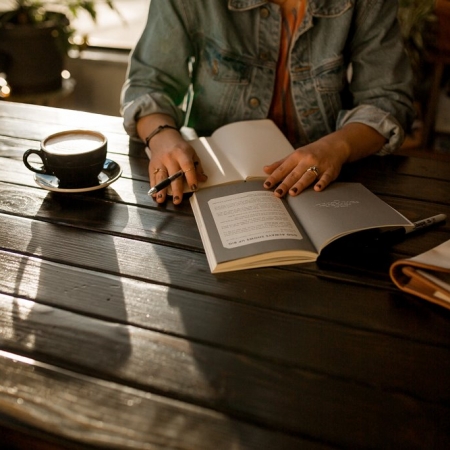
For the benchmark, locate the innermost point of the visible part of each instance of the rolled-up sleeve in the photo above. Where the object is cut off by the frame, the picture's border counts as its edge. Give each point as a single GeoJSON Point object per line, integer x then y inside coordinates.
{"type": "Point", "coordinates": [381, 78]}
{"type": "Point", "coordinates": [382, 121]}
{"type": "Point", "coordinates": [158, 76]}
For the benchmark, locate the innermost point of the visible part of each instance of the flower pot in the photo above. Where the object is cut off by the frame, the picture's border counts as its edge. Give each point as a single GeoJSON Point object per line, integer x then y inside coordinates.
{"type": "Point", "coordinates": [31, 57]}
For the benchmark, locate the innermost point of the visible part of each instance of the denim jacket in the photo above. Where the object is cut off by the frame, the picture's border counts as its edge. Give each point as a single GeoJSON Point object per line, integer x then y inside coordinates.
{"type": "Point", "coordinates": [347, 64]}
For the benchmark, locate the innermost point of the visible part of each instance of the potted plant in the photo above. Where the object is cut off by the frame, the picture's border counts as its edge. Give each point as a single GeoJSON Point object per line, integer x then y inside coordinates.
{"type": "Point", "coordinates": [35, 36]}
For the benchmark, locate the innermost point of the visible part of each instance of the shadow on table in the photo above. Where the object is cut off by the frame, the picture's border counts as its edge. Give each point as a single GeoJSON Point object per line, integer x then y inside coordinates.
{"type": "Point", "coordinates": [66, 321]}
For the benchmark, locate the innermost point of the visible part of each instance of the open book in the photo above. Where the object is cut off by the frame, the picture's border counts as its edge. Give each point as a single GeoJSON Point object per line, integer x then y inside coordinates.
{"type": "Point", "coordinates": [243, 225]}
{"type": "Point", "coordinates": [426, 275]}
{"type": "Point", "coordinates": [237, 151]}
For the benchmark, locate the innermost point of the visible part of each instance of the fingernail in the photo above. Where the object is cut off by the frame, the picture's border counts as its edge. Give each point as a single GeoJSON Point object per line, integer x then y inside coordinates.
{"type": "Point", "coordinates": [193, 187]}
{"type": "Point", "coordinates": [294, 190]}
{"type": "Point", "coordinates": [176, 198]}
{"type": "Point", "coordinates": [279, 191]}
{"type": "Point", "coordinates": [268, 184]}
{"type": "Point", "coordinates": [159, 195]}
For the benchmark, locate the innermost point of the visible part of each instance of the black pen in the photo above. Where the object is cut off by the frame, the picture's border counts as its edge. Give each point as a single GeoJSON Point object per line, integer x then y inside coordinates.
{"type": "Point", "coordinates": [425, 223]}
{"type": "Point", "coordinates": [163, 184]}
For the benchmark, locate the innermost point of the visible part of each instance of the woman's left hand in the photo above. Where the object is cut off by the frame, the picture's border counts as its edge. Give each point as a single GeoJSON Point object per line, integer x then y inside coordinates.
{"type": "Point", "coordinates": [320, 162]}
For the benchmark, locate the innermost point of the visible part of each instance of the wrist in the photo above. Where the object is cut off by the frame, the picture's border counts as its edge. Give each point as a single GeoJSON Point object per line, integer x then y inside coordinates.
{"type": "Point", "coordinates": [339, 145]}
{"type": "Point", "coordinates": [158, 130]}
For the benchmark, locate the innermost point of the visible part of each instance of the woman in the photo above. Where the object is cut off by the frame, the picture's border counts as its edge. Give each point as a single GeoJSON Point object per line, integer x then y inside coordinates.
{"type": "Point", "coordinates": [332, 74]}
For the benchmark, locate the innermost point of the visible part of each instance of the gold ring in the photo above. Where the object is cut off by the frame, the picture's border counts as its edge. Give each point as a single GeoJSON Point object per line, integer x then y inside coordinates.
{"type": "Point", "coordinates": [314, 170]}
{"type": "Point", "coordinates": [157, 170]}
{"type": "Point", "coordinates": [192, 168]}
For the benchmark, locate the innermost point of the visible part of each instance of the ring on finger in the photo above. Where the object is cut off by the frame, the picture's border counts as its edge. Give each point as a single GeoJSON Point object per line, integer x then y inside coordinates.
{"type": "Point", "coordinates": [314, 170]}
{"type": "Point", "coordinates": [158, 169]}
{"type": "Point", "coordinates": [191, 168]}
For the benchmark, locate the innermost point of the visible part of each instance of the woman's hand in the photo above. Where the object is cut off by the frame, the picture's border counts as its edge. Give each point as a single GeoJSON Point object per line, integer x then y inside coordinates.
{"type": "Point", "coordinates": [169, 154]}
{"type": "Point", "coordinates": [321, 162]}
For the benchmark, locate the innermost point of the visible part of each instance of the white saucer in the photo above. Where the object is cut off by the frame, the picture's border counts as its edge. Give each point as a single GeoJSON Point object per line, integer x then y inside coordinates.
{"type": "Point", "coordinates": [111, 172]}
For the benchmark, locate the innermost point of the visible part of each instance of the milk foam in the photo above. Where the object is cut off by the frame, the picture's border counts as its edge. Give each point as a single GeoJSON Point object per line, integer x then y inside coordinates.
{"type": "Point", "coordinates": [72, 144]}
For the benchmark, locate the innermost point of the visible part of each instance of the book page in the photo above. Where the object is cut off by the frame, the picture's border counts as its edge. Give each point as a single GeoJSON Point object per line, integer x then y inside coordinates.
{"type": "Point", "coordinates": [340, 209]}
{"type": "Point", "coordinates": [240, 150]}
{"type": "Point", "coordinates": [214, 203]}
{"type": "Point", "coordinates": [215, 163]}
{"type": "Point", "coordinates": [250, 217]}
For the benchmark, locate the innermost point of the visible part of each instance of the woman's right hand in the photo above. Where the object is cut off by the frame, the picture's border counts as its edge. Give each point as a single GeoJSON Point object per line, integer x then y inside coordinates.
{"type": "Point", "coordinates": [169, 154]}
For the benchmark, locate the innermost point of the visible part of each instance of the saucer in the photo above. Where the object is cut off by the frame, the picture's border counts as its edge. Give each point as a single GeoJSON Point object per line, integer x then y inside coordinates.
{"type": "Point", "coordinates": [111, 172]}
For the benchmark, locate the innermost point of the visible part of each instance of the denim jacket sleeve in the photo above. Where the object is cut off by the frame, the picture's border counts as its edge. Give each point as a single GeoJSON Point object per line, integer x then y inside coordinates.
{"type": "Point", "coordinates": [158, 72]}
{"type": "Point", "coordinates": [381, 79]}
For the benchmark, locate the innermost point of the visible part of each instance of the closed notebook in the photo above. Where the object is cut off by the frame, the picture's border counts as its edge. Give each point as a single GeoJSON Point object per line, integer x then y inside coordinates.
{"type": "Point", "coordinates": [426, 275]}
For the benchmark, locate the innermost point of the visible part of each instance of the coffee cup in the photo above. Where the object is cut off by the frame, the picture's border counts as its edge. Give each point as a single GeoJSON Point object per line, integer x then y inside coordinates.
{"type": "Point", "coordinates": [75, 157]}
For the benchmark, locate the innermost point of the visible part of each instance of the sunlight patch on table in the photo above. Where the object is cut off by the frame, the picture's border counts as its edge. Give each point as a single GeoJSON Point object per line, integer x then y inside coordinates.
{"type": "Point", "coordinates": [14, 314]}
{"type": "Point", "coordinates": [18, 358]}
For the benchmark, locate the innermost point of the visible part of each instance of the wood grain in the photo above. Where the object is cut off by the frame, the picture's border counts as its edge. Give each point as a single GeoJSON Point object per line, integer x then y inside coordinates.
{"type": "Point", "coordinates": [217, 379]}
{"type": "Point", "coordinates": [106, 414]}
{"type": "Point", "coordinates": [114, 334]}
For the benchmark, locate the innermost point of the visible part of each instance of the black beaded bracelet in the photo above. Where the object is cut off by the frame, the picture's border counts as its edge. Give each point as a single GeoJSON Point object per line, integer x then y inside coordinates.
{"type": "Point", "coordinates": [156, 131]}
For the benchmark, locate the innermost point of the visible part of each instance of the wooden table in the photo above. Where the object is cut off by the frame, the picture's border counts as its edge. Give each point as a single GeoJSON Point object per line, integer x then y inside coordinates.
{"type": "Point", "coordinates": [114, 334]}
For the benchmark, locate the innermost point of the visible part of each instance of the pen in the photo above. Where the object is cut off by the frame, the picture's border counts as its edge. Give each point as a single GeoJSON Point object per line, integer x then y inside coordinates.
{"type": "Point", "coordinates": [163, 184]}
{"type": "Point", "coordinates": [425, 223]}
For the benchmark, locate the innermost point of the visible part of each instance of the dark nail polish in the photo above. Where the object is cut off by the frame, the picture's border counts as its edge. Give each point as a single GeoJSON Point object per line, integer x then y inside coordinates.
{"type": "Point", "coordinates": [268, 184]}
{"type": "Point", "coordinates": [294, 190]}
{"type": "Point", "coordinates": [176, 198]}
{"type": "Point", "coordinates": [279, 191]}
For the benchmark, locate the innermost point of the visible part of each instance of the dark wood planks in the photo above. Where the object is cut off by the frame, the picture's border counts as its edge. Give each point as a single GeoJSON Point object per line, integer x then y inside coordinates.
{"type": "Point", "coordinates": [292, 357]}
{"type": "Point", "coordinates": [224, 381]}
{"type": "Point", "coordinates": [357, 307]}
{"type": "Point", "coordinates": [119, 256]}
{"type": "Point", "coordinates": [109, 415]}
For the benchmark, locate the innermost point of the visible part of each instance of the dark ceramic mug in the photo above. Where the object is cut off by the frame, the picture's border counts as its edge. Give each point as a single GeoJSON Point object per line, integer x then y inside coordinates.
{"type": "Point", "coordinates": [75, 157]}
